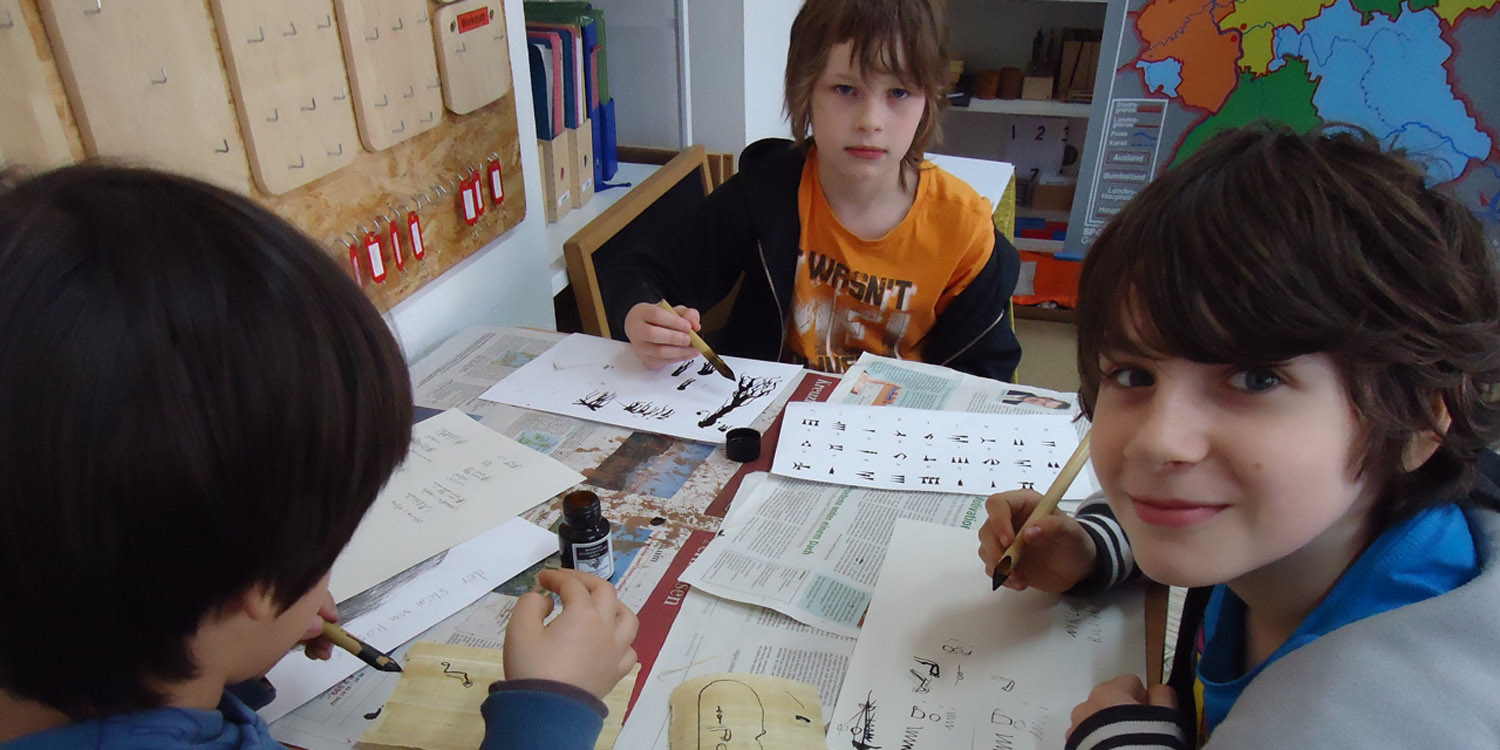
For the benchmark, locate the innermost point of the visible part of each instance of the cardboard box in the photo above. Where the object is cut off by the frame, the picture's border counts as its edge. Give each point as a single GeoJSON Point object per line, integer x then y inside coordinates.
{"type": "Point", "coordinates": [1052, 196]}
{"type": "Point", "coordinates": [557, 164]}
{"type": "Point", "coordinates": [581, 176]}
{"type": "Point", "coordinates": [1037, 88]}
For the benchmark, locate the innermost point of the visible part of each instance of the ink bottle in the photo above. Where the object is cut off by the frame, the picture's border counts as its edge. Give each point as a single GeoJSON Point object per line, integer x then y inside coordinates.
{"type": "Point", "coordinates": [583, 536]}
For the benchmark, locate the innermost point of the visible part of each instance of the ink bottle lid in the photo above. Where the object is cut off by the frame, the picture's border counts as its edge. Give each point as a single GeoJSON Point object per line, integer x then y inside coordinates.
{"type": "Point", "coordinates": [583, 536]}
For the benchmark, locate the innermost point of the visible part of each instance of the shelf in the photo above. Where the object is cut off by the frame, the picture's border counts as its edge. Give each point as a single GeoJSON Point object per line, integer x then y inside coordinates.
{"type": "Point", "coordinates": [1050, 247]}
{"type": "Point", "coordinates": [559, 232]}
{"type": "Point", "coordinates": [1042, 108]}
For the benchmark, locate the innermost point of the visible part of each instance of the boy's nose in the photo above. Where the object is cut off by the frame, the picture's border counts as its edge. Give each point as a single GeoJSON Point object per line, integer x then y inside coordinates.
{"type": "Point", "coordinates": [1170, 431]}
{"type": "Point", "coordinates": [869, 118]}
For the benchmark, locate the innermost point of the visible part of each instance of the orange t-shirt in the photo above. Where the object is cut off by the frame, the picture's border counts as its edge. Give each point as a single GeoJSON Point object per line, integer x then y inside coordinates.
{"type": "Point", "coordinates": [883, 296]}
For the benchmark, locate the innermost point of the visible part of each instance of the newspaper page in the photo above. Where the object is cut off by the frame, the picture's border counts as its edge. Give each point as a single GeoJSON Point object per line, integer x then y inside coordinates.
{"type": "Point", "coordinates": [813, 551]}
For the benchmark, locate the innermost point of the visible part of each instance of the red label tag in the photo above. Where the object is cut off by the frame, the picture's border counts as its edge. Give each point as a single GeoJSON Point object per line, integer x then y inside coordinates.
{"type": "Point", "coordinates": [414, 226]}
{"type": "Point", "coordinates": [471, 204]}
{"type": "Point", "coordinates": [478, 191]}
{"type": "Point", "coordinates": [393, 237]}
{"type": "Point", "coordinates": [354, 264]}
{"type": "Point", "coordinates": [377, 264]}
{"type": "Point", "coordinates": [497, 186]}
{"type": "Point", "coordinates": [473, 19]}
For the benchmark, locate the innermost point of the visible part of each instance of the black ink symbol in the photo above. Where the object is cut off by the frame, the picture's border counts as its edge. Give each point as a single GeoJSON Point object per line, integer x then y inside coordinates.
{"type": "Point", "coordinates": [928, 436]}
{"type": "Point", "coordinates": [685, 384]}
{"type": "Point", "coordinates": [862, 734]}
{"type": "Point", "coordinates": [682, 368]}
{"type": "Point", "coordinates": [648, 409]}
{"type": "Point", "coordinates": [924, 681]}
{"type": "Point", "coordinates": [900, 433]}
{"type": "Point", "coordinates": [457, 674]}
{"type": "Point", "coordinates": [960, 482]}
{"type": "Point", "coordinates": [959, 460]}
{"type": "Point", "coordinates": [868, 476]}
{"type": "Point", "coordinates": [959, 438]}
{"type": "Point", "coordinates": [804, 719]}
{"type": "Point", "coordinates": [927, 459]}
{"type": "Point", "coordinates": [596, 400]}
{"type": "Point", "coordinates": [870, 430]}
{"type": "Point", "coordinates": [748, 389]}
{"type": "Point", "coordinates": [930, 480]}
{"type": "Point", "coordinates": [992, 461]}
{"type": "Point", "coordinates": [1028, 485]}
{"type": "Point", "coordinates": [806, 443]}
{"type": "Point", "coordinates": [1050, 443]}
{"type": "Point", "coordinates": [834, 447]}
{"type": "Point", "coordinates": [898, 478]}
{"type": "Point", "coordinates": [799, 466]}
{"type": "Point", "coordinates": [1053, 465]}
{"type": "Point", "coordinates": [374, 713]}
{"type": "Point", "coordinates": [984, 440]}
{"type": "Point", "coordinates": [839, 426]}
{"type": "Point", "coordinates": [706, 369]}
{"type": "Point", "coordinates": [830, 470]}
{"type": "Point", "coordinates": [955, 646]}
{"type": "Point", "coordinates": [1024, 462]}
{"type": "Point", "coordinates": [1018, 441]}
{"type": "Point", "coordinates": [810, 422]}
{"type": "Point", "coordinates": [866, 450]}
{"type": "Point", "coordinates": [899, 456]}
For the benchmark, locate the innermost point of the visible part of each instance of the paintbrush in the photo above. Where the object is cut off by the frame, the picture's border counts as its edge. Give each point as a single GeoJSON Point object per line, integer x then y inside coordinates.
{"type": "Point", "coordinates": [366, 653]}
{"type": "Point", "coordinates": [702, 346]}
{"type": "Point", "coordinates": [1012, 556]}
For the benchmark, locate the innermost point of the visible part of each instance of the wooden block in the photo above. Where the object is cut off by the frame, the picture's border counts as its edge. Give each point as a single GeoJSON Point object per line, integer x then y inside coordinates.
{"type": "Point", "coordinates": [393, 73]}
{"type": "Point", "coordinates": [145, 84]}
{"type": "Point", "coordinates": [556, 164]}
{"type": "Point", "coordinates": [288, 78]}
{"type": "Point", "coordinates": [31, 131]}
{"type": "Point", "coordinates": [581, 148]}
{"type": "Point", "coordinates": [472, 52]}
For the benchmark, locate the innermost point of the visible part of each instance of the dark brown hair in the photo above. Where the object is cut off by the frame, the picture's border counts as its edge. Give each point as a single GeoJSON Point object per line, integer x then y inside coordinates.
{"type": "Point", "coordinates": [197, 400]}
{"type": "Point", "coordinates": [904, 38]}
{"type": "Point", "coordinates": [1267, 244]}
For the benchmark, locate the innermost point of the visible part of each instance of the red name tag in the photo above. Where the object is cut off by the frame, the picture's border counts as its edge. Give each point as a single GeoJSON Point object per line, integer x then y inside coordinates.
{"type": "Point", "coordinates": [473, 20]}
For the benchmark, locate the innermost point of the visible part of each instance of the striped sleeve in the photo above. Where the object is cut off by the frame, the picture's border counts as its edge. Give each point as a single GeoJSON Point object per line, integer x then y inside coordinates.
{"type": "Point", "coordinates": [1129, 727]}
{"type": "Point", "coordinates": [1113, 562]}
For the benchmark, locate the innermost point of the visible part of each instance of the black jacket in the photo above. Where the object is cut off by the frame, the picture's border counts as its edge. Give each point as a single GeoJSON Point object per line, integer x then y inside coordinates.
{"type": "Point", "coordinates": [750, 226]}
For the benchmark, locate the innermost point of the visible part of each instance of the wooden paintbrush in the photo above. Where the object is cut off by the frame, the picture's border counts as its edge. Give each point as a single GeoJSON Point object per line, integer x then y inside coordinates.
{"type": "Point", "coordinates": [702, 346]}
{"type": "Point", "coordinates": [1012, 556]}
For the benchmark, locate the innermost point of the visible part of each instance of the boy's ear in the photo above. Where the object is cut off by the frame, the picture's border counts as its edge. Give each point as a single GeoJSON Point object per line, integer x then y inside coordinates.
{"type": "Point", "coordinates": [1425, 443]}
{"type": "Point", "coordinates": [256, 602]}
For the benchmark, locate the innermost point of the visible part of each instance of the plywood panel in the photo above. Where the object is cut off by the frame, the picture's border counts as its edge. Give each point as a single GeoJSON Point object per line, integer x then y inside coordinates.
{"type": "Point", "coordinates": [473, 53]}
{"type": "Point", "coordinates": [146, 84]}
{"type": "Point", "coordinates": [392, 69]}
{"type": "Point", "coordinates": [31, 129]}
{"type": "Point", "coordinates": [286, 67]}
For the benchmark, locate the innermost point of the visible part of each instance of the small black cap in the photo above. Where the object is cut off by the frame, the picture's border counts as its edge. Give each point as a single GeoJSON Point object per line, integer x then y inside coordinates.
{"type": "Point", "coordinates": [742, 444]}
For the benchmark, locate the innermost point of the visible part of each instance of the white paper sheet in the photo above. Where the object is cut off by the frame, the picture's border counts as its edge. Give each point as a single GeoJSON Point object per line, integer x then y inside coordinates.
{"type": "Point", "coordinates": [813, 551]}
{"type": "Point", "coordinates": [387, 618]}
{"type": "Point", "coordinates": [459, 479]}
{"type": "Point", "coordinates": [893, 448]}
{"type": "Point", "coordinates": [588, 377]}
{"type": "Point", "coordinates": [944, 663]}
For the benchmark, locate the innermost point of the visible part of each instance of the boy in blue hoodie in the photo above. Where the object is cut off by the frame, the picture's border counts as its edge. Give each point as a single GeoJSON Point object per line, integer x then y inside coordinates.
{"type": "Point", "coordinates": [198, 409]}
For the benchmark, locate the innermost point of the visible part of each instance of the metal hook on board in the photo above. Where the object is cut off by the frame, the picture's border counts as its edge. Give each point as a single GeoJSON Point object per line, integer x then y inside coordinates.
{"type": "Point", "coordinates": [259, 30]}
{"type": "Point", "coordinates": [401, 129]}
{"type": "Point", "coordinates": [341, 95]}
{"type": "Point", "coordinates": [339, 152]}
{"type": "Point", "coordinates": [9, 22]}
{"type": "Point", "coordinates": [429, 117]}
{"type": "Point", "coordinates": [463, 47]}
{"type": "Point", "coordinates": [163, 80]}
{"type": "Point", "coordinates": [385, 101]}
{"type": "Point", "coordinates": [327, 22]}
{"type": "Point", "coordinates": [313, 108]}
{"type": "Point", "coordinates": [400, 24]}
{"type": "Point", "coordinates": [411, 91]}
{"type": "Point", "coordinates": [98, 8]}
{"type": "Point", "coordinates": [275, 114]}
{"type": "Point", "coordinates": [301, 163]}
{"type": "Point", "coordinates": [223, 148]}
{"type": "Point", "coordinates": [293, 32]}
{"type": "Point", "coordinates": [369, 38]}
{"type": "Point", "coordinates": [423, 18]}
{"type": "Point", "coordinates": [495, 156]}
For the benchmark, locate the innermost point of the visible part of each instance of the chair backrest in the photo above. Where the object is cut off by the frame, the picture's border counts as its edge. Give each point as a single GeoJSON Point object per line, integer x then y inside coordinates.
{"type": "Point", "coordinates": [658, 203]}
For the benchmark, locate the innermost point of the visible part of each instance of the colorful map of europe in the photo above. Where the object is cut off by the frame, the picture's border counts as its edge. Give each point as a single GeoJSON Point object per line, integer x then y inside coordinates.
{"type": "Point", "coordinates": [1423, 75]}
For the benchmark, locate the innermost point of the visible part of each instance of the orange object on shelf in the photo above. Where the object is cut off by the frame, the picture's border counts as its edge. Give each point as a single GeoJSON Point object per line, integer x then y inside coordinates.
{"type": "Point", "coordinates": [1052, 280]}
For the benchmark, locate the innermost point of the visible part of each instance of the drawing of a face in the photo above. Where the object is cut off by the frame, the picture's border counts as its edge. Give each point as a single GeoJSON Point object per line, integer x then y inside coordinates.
{"type": "Point", "coordinates": [739, 716]}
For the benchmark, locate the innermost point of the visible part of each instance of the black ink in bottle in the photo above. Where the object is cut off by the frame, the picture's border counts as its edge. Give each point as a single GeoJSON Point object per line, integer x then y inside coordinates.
{"type": "Point", "coordinates": [583, 536]}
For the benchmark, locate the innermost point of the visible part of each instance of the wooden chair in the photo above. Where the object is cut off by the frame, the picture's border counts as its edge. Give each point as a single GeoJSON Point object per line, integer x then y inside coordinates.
{"type": "Point", "coordinates": [658, 202]}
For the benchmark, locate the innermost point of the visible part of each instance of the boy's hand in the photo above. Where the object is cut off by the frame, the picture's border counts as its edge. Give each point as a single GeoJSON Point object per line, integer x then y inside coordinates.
{"type": "Point", "coordinates": [1125, 690]}
{"type": "Point", "coordinates": [659, 337]}
{"type": "Point", "coordinates": [1056, 552]}
{"type": "Point", "coordinates": [314, 645]}
{"type": "Point", "coordinates": [587, 645]}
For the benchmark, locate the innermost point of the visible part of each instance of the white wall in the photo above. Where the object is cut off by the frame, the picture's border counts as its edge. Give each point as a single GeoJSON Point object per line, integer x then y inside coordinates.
{"type": "Point", "coordinates": [643, 71]}
{"type": "Point", "coordinates": [768, 24]}
{"type": "Point", "coordinates": [737, 62]}
{"type": "Point", "coordinates": [506, 282]}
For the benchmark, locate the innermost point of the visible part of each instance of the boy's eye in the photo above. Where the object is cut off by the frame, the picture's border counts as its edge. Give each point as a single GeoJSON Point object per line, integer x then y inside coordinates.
{"type": "Point", "coordinates": [1130, 377]}
{"type": "Point", "coordinates": [1254, 381]}
{"type": "Point", "coordinates": [899, 94]}
{"type": "Point", "coordinates": [843, 89]}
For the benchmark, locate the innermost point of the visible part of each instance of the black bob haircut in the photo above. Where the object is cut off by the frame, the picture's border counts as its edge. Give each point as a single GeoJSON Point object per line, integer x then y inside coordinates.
{"type": "Point", "coordinates": [197, 400]}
